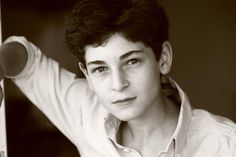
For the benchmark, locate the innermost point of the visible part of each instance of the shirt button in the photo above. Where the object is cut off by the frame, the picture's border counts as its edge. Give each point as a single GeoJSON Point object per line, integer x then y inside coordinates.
{"type": "Point", "coordinates": [126, 150]}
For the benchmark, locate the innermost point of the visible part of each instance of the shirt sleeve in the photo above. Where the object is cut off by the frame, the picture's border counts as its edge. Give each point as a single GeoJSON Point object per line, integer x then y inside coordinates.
{"type": "Point", "coordinates": [54, 90]}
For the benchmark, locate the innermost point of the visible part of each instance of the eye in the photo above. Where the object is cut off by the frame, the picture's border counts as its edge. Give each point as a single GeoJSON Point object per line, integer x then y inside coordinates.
{"type": "Point", "coordinates": [99, 69]}
{"type": "Point", "coordinates": [132, 61]}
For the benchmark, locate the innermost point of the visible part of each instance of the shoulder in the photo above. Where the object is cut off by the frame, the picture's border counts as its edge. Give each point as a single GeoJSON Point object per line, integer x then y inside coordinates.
{"type": "Point", "coordinates": [202, 119]}
{"type": "Point", "coordinates": [211, 135]}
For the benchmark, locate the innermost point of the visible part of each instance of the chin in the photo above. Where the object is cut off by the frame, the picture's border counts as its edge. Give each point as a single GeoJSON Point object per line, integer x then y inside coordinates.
{"type": "Point", "coordinates": [126, 116]}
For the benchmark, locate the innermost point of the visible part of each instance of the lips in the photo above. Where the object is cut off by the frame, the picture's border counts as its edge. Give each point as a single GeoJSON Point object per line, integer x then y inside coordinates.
{"type": "Point", "coordinates": [125, 100]}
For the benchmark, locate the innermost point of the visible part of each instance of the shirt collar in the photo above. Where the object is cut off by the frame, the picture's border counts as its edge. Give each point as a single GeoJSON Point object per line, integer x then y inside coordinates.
{"type": "Point", "coordinates": [112, 126]}
{"type": "Point", "coordinates": [112, 123]}
{"type": "Point", "coordinates": [184, 118]}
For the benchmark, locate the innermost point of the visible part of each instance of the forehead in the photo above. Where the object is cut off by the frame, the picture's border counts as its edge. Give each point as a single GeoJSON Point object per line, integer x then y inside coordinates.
{"type": "Point", "coordinates": [115, 46]}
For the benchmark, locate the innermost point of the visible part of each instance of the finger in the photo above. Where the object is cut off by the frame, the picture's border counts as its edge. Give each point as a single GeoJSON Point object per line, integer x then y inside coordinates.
{"type": "Point", "coordinates": [1, 95]}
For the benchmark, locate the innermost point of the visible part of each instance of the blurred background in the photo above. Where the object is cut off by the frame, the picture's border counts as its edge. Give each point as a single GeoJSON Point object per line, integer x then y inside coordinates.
{"type": "Point", "coordinates": [203, 36]}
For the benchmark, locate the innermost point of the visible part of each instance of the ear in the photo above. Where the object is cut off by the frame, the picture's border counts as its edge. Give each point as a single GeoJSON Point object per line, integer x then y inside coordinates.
{"type": "Point", "coordinates": [166, 58]}
{"type": "Point", "coordinates": [85, 72]}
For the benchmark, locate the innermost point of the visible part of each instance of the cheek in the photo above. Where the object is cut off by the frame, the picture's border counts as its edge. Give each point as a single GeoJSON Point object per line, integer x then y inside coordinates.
{"type": "Point", "coordinates": [149, 83]}
{"type": "Point", "coordinates": [148, 78]}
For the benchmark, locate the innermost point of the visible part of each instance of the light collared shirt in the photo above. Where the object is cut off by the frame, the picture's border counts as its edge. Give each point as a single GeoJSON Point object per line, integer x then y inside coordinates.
{"type": "Point", "coordinates": [74, 109]}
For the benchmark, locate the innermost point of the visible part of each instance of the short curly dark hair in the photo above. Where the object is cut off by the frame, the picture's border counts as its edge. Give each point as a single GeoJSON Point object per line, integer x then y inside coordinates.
{"type": "Point", "coordinates": [92, 22]}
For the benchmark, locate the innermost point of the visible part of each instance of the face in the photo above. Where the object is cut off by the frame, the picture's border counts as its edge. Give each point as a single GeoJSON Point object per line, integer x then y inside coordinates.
{"type": "Point", "coordinates": [124, 75]}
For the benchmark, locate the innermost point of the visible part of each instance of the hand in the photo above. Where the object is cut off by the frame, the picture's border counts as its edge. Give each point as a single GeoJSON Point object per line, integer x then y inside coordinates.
{"type": "Point", "coordinates": [1, 90]}
{"type": "Point", "coordinates": [1, 96]}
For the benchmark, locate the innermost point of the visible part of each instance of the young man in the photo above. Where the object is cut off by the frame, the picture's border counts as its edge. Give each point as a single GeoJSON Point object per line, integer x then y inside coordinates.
{"type": "Point", "coordinates": [126, 105]}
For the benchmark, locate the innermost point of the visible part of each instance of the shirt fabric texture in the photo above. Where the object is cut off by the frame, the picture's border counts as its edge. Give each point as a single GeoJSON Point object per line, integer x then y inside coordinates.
{"type": "Point", "coordinates": [74, 109]}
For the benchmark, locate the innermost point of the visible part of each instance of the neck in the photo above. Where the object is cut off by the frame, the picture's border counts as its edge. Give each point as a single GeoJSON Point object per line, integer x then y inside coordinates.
{"type": "Point", "coordinates": [156, 124]}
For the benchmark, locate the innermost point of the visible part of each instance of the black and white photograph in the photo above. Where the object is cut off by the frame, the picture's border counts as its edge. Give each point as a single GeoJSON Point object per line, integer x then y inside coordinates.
{"type": "Point", "coordinates": [117, 78]}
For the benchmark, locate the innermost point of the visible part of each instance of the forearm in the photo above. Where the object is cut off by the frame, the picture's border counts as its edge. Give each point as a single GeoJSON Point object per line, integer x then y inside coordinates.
{"type": "Point", "coordinates": [13, 58]}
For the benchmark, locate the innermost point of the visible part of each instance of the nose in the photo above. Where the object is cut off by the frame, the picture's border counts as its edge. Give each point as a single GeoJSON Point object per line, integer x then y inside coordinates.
{"type": "Point", "coordinates": [118, 81]}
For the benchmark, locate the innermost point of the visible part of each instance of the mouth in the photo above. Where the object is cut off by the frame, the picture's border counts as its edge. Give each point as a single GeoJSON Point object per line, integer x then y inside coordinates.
{"type": "Point", "coordinates": [125, 100]}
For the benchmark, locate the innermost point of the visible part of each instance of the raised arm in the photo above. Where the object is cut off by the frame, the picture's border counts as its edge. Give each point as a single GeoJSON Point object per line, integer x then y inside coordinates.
{"type": "Point", "coordinates": [58, 93]}
{"type": "Point", "coordinates": [13, 57]}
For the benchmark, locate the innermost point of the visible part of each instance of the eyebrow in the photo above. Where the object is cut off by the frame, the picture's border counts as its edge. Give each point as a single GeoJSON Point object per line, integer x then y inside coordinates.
{"type": "Point", "coordinates": [126, 55]}
{"type": "Point", "coordinates": [96, 62]}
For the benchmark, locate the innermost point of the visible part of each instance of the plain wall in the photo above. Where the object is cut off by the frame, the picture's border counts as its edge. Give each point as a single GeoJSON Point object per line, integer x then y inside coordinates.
{"type": "Point", "coordinates": [203, 36]}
